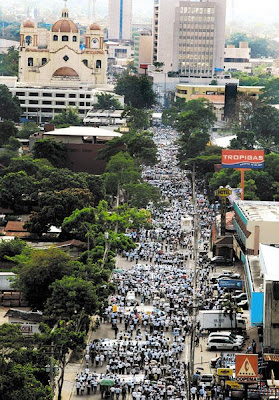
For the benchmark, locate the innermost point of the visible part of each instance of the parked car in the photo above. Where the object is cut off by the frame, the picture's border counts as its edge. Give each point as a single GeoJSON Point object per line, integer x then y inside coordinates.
{"type": "Point", "coordinates": [208, 380]}
{"type": "Point", "coordinates": [221, 260]}
{"type": "Point", "coordinates": [240, 297]}
{"type": "Point", "coordinates": [131, 298]}
{"type": "Point", "coordinates": [223, 343]}
{"type": "Point", "coordinates": [243, 304]}
{"type": "Point", "coordinates": [227, 334]}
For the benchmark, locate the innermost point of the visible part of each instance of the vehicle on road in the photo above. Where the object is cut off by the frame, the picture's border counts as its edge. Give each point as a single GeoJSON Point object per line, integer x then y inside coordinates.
{"type": "Point", "coordinates": [228, 334]}
{"type": "Point", "coordinates": [221, 260]}
{"type": "Point", "coordinates": [223, 343]}
{"type": "Point", "coordinates": [214, 320]}
{"type": "Point", "coordinates": [240, 297]}
{"type": "Point", "coordinates": [208, 380]}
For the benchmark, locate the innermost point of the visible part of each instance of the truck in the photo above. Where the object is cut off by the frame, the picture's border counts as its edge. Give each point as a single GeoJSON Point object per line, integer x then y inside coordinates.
{"type": "Point", "coordinates": [213, 320]}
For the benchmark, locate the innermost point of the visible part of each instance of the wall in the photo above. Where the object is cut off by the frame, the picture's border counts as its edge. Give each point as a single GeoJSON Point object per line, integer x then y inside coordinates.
{"type": "Point", "coordinates": [84, 158]}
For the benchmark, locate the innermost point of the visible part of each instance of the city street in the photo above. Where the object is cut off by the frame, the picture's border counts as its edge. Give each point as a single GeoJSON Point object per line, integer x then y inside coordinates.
{"type": "Point", "coordinates": [142, 349]}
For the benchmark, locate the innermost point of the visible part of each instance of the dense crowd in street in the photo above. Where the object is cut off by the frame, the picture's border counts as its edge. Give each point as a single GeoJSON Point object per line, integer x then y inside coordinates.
{"type": "Point", "coordinates": [151, 311]}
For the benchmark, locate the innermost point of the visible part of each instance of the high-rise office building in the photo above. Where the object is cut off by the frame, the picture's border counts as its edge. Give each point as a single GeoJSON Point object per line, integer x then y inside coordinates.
{"type": "Point", "coordinates": [120, 19]}
{"type": "Point", "coordinates": [189, 36]}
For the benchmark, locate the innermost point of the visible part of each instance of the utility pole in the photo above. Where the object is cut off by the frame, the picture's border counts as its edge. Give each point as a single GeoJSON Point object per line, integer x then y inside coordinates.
{"type": "Point", "coordinates": [195, 269]}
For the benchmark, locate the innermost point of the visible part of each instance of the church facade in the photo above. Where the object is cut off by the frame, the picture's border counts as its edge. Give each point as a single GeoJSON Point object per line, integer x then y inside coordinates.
{"type": "Point", "coordinates": [58, 58]}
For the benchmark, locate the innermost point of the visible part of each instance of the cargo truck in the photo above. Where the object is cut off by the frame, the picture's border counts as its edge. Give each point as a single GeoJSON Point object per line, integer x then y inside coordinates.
{"type": "Point", "coordinates": [212, 320]}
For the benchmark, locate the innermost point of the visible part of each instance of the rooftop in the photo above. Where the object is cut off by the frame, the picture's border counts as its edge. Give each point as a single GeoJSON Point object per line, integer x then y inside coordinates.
{"type": "Point", "coordinates": [25, 315]}
{"type": "Point", "coordinates": [83, 131]}
{"type": "Point", "coordinates": [259, 210]}
{"type": "Point", "coordinates": [269, 256]}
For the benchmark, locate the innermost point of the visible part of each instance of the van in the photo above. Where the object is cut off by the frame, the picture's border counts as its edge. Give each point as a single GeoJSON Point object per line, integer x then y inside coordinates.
{"type": "Point", "coordinates": [223, 343]}
{"type": "Point", "coordinates": [228, 334]}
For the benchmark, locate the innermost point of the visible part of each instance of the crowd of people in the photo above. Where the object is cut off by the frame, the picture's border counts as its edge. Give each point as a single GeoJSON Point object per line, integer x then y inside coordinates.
{"type": "Point", "coordinates": [151, 311]}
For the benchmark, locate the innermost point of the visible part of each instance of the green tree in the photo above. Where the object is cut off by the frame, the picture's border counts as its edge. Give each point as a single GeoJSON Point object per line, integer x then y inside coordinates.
{"type": "Point", "coordinates": [79, 222]}
{"type": "Point", "coordinates": [69, 296]}
{"type": "Point", "coordinates": [39, 270]}
{"type": "Point", "coordinates": [68, 117]}
{"type": "Point", "coordinates": [136, 118]}
{"type": "Point", "coordinates": [141, 194]}
{"type": "Point", "coordinates": [7, 130]}
{"type": "Point", "coordinates": [137, 91]}
{"type": "Point", "coordinates": [10, 248]}
{"type": "Point", "coordinates": [64, 337]}
{"type": "Point", "coordinates": [9, 62]}
{"type": "Point", "coordinates": [55, 206]}
{"type": "Point", "coordinates": [27, 129]}
{"type": "Point", "coordinates": [270, 94]}
{"type": "Point", "coordinates": [194, 123]}
{"type": "Point", "coordinates": [107, 101]}
{"type": "Point", "coordinates": [53, 151]}
{"type": "Point", "coordinates": [16, 190]}
{"type": "Point", "coordinates": [9, 105]}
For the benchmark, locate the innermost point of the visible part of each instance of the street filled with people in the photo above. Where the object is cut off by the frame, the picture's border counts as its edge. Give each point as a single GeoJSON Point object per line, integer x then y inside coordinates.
{"type": "Point", "coordinates": [151, 311]}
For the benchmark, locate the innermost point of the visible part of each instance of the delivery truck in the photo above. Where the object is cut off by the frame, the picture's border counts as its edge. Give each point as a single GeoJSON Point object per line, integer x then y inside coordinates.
{"type": "Point", "coordinates": [212, 320]}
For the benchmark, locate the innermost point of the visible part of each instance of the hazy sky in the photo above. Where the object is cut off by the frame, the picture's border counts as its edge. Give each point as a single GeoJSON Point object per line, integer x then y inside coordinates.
{"type": "Point", "coordinates": [250, 10]}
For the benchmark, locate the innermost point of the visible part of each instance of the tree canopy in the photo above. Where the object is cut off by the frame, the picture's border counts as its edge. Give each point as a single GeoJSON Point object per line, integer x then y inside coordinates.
{"type": "Point", "coordinates": [9, 105]}
{"type": "Point", "coordinates": [107, 101]}
{"type": "Point", "coordinates": [137, 91]}
{"type": "Point", "coordinates": [9, 63]}
{"type": "Point", "coordinates": [68, 117]}
{"type": "Point", "coordinates": [53, 151]}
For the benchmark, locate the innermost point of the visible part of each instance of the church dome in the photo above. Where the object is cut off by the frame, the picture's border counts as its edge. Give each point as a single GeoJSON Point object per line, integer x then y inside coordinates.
{"type": "Point", "coordinates": [64, 25]}
{"type": "Point", "coordinates": [95, 27]}
{"type": "Point", "coordinates": [65, 71]}
{"type": "Point", "coordinates": [28, 24]}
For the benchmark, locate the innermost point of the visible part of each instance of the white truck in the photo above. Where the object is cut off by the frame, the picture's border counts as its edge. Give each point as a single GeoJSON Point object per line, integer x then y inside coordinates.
{"type": "Point", "coordinates": [212, 320]}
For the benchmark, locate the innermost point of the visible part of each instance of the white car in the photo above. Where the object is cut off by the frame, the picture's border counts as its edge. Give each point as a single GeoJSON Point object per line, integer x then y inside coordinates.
{"type": "Point", "coordinates": [223, 343]}
{"type": "Point", "coordinates": [227, 334]}
{"type": "Point", "coordinates": [208, 380]}
{"type": "Point", "coordinates": [131, 297]}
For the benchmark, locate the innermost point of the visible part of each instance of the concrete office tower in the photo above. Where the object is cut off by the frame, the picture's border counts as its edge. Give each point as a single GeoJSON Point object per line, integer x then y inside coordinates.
{"type": "Point", "coordinates": [120, 20]}
{"type": "Point", "coordinates": [189, 36]}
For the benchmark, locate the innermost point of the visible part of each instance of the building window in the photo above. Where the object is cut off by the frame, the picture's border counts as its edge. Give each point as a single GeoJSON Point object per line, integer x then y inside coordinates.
{"type": "Point", "coordinates": [82, 96]}
{"type": "Point", "coordinates": [47, 94]}
{"type": "Point", "coordinates": [72, 96]}
{"type": "Point", "coordinates": [28, 40]}
{"type": "Point", "coordinates": [85, 62]}
{"type": "Point", "coordinates": [81, 104]}
{"type": "Point", "coordinates": [65, 38]}
{"type": "Point", "coordinates": [60, 103]}
{"type": "Point", "coordinates": [47, 102]}
{"type": "Point", "coordinates": [66, 58]}
{"type": "Point", "coordinates": [55, 38]}
{"type": "Point", "coordinates": [34, 94]}
{"type": "Point", "coordinates": [60, 94]}
{"type": "Point", "coordinates": [72, 103]}
{"type": "Point", "coordinates": [20, 94]}
{"type": "Point", "coordinates": [88, 96]}
{"type": "Point", "coordinates": [33, 102]}
{"type": "Point", "coordinates": [88, 104]}
{"type": "Point", "coordinates": [30, 62]}
{"type": "Point", "coordinates": [44, 61]}
{"type": "Point", "coordinates": [74, 38]}
{"type": "Point", "coordinates": [98, 64]}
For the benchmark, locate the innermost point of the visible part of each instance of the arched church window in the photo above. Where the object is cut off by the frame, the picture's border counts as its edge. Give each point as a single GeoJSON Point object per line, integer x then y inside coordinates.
{"type": "Point", "coordinates": [30, 62]}
{"type": "Point", "coordinates": [98, 64]}
{"type": "Point", "coordinates": [44, 61]}
{"type": "Point", "coordinates": [55, 38]}
{"type": "Point", "coordinates": [74, 38]}
{"type": "Point", "coordinates": [28, 40]}
{"type": "Point", "coordinates": [65, 38]}
{"type": "Point", "coordinates": [85, 62]}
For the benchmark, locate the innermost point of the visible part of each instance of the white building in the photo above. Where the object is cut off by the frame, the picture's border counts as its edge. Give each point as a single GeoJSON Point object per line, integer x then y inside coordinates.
{"type": "Point", "coordinates": [189, 36]}
{"type": "Point", "coordinates": [120, 19]}
{"type": "Point", "coordinates": [238, 58]}
{"type": "Point", "coordinates": [56, 58]}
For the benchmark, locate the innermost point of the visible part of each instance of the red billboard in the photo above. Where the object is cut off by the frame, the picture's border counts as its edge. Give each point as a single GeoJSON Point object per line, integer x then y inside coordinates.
{"type": "Point", "coordinates": [251, 159]}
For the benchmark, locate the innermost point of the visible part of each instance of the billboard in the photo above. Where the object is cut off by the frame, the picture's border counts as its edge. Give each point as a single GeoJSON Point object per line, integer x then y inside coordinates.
{"type": "Point", "coordinates": [246, 366]}
{"type": "Point", "coordinates": [230, 283]}
{"type": "Point", "coordinates": [251, 159]}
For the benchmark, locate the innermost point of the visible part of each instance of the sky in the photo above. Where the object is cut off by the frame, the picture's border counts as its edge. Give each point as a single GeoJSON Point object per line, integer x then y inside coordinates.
{"type": "Point", "coordinates": [263, 11]}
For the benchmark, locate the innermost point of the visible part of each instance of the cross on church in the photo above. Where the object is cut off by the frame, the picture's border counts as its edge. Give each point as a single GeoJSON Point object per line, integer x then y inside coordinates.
{"type": "Point", "coordinates": [65, 1]}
